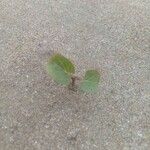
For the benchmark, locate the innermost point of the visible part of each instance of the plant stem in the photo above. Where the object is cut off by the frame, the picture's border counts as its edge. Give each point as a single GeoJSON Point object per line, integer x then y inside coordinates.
{"type": "Point", "coordinates": [73, 81]}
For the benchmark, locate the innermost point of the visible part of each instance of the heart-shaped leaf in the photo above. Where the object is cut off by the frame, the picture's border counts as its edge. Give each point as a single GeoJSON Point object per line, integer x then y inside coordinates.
{"type": "Point", "coordinates": [58, 74]}
{"type": "Point", "coordinates": [64, 63]}
{"type": "Point", "coordinates": [90, 81]}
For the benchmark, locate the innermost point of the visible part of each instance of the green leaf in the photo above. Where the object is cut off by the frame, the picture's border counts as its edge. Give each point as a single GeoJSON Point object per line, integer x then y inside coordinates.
{"type": "Point", "coordinates": [64, 63]}
{"type": "Point", "coordinates": [90, 81]}
{"type": "Point", "coordinates": [58, 74]}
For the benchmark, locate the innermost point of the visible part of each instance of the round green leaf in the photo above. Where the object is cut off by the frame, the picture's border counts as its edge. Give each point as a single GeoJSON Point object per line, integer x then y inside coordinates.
{"type": "Point", "coordinates": [90, 81]}
{"type": "Point", "coordinates": [58, 74]}
{"type": "Point", "coordinates": [63, 62]}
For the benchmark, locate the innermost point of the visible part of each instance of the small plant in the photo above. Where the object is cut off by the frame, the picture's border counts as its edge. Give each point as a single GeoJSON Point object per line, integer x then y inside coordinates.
{"type": "Point", "coordinates": [62, 71]}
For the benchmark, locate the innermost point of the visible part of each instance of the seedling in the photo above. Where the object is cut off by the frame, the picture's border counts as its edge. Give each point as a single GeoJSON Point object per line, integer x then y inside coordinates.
{"type": "Point", "coordinates": [62, 70]}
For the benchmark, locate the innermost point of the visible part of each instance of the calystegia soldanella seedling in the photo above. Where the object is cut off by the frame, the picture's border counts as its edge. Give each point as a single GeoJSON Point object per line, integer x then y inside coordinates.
{"type": "Point", "coordinates": [62, 70]}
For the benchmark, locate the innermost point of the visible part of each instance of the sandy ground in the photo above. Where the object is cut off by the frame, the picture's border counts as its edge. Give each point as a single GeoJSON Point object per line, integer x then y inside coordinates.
{"type": "Point", "coordinates": [112, 36]}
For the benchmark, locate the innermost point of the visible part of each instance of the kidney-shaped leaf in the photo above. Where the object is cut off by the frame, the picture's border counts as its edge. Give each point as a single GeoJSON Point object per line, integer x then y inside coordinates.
{"type": "Point", "coordinates": [63, 62]}
{"type": "Point", "coordinates": [58, 74]}
{"type": "Point", "coordinates": [90, 81]}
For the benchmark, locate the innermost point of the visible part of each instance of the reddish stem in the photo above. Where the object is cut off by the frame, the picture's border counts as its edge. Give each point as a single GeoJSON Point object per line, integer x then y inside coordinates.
{"type": "Point", "coordinates": [73, 80]}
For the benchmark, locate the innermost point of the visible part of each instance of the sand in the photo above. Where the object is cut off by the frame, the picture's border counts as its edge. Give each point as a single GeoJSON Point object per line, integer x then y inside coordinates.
{"type": "Point", "coordinates": [111, 36]}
